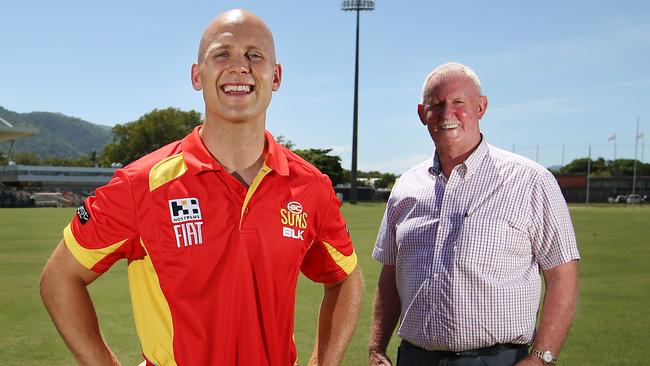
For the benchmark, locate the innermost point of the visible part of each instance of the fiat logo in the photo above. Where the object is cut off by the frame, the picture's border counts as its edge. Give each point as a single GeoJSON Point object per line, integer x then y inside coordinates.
{"type": "Point", "coordinates": [294, 207]}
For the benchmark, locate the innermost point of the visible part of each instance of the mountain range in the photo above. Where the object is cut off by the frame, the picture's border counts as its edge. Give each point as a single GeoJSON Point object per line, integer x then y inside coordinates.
{"type": "Point", "coordinates": [60, 135]}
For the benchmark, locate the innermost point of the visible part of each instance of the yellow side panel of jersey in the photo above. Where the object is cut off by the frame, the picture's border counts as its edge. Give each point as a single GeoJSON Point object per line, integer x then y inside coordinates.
{"type": "Point", "coordinates": [153, 319]}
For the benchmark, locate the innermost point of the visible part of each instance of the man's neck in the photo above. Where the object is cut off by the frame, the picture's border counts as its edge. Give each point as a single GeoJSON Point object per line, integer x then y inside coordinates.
{"type": "Point", "coordinates": [238, 147]}
{"type": "Point", "coordinates": [449, 159]}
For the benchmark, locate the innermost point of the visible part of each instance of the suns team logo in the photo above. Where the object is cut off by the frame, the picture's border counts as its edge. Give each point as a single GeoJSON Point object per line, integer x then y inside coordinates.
{"type": "Point", "coordinates": [183, 210]}
{"type": "Point", "coordinates": [294, 220]}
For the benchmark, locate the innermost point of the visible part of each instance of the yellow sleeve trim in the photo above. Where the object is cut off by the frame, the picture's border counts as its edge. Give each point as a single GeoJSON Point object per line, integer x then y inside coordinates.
{"type": "Point", "coordinates": [87, 257]}
{"type": "Point", "coordinates": [166, 170]}
{"type": "Point", "coordinates": [346, 262]}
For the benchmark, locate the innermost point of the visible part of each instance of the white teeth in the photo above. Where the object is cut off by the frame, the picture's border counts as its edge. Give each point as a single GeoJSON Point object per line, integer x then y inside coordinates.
{"type": "Point", "coordinates": [448, 125]}
{"type": "Point", "coordinates": [237, 88]}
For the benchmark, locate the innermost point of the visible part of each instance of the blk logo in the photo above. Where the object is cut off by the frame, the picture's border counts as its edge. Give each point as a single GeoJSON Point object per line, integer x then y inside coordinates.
{"type": "Point", "coordinates": [289, 232]}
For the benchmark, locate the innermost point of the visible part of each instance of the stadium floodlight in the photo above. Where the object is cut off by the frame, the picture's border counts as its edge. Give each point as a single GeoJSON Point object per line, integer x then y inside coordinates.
{"type": "Point", "coordinates": [358, 5]}
{"type": "Point", "coordinates": [637, 136]}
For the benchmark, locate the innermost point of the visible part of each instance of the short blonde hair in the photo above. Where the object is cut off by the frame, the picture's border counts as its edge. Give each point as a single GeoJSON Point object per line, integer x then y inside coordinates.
{"type": "Point", "coordinates": [451, 69]}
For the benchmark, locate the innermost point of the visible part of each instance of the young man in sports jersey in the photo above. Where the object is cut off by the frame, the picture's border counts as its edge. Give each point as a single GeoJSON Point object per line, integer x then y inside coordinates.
{"type": "Point", "coordinates": [216, 228]}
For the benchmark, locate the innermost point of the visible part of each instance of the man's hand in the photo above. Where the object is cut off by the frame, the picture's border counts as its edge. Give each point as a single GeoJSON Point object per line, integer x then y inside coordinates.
{"type": "Point", "coordinates": [63, 289]}
{"type": "Point", "coordinates": [531, 360]}
{"type": "Point", "coordinates": [385, 316]}
{"type": "Point", "coordinates": [558, 308]}
{"type": "Point", "coordinates": [337, 320]}
{"type": "Point", "coordinates": [379, 359]}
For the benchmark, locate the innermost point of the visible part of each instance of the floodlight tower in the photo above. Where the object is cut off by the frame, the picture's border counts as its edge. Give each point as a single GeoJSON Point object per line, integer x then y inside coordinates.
{"type": "Point", "coordinates": [358, 5]}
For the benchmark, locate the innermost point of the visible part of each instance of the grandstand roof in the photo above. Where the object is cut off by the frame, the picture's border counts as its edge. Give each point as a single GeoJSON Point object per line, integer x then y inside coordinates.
{"type": "Point", "coordinates": [9, 132]}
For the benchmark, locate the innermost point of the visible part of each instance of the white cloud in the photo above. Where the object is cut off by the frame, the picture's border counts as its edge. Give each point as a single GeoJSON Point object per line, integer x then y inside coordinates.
{"type": "Point", "coordinates": [397, 166]}
{"type": "Point", "coordinates": [340, 150]}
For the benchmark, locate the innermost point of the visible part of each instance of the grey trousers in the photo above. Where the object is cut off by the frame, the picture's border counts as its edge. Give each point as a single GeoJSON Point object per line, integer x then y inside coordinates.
{"type": "Point", "coordinates": [411, 355]}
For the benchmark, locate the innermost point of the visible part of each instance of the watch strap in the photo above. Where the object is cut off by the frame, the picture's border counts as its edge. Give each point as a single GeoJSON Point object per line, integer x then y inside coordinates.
{"type": "Point", "coordinates": [544, 356]}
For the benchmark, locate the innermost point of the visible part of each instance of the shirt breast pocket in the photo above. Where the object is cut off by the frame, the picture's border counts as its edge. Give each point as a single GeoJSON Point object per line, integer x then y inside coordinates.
{"type": "Point", "coordinates": [494, 246]}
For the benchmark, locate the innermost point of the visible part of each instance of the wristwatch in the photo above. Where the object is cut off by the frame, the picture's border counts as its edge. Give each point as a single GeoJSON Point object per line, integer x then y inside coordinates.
{"type": "Point", "coordinates": [546, 356]}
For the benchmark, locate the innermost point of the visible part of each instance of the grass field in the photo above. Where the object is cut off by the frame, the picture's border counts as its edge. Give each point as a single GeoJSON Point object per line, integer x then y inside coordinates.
{"type": "Point", "coordinates": [612, 326]}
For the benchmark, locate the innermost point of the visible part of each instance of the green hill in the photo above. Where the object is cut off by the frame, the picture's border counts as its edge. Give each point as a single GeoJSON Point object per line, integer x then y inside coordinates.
{"type": "Point", "coordinates": [60, 135]}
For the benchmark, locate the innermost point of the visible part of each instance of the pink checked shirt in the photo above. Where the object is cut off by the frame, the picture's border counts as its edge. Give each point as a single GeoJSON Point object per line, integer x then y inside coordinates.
{"type": "Point", "coordinates": [468, 249]}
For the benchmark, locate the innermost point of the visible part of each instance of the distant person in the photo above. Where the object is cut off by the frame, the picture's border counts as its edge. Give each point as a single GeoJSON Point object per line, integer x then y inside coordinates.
{"type": "Point", "coordinates": [215, 228]}
{"type": "Point", "coordinates": [463, 239]}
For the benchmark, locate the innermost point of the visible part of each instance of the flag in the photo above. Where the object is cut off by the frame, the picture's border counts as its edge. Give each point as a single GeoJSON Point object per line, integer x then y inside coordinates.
{"type": "Point", "coordinates": [639, 136]}
{"type": "Point", "coordinates": [612, 137]}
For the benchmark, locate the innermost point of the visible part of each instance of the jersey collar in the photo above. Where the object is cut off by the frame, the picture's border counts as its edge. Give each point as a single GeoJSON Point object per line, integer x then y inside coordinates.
{"type": "Point", "coordinates": [198, 158]}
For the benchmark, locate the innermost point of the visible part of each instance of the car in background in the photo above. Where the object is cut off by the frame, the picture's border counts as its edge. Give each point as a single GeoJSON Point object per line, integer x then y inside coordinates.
{"type": "Point", "coordinates": [621, 198]}
{"type": "Point", "coordinates": [634, 198]}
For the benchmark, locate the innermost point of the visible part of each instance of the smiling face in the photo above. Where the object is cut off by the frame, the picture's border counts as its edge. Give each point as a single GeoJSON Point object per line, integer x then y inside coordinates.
{"type": "Point", "coordinates": [451, 109]}
{"type": "Point", "coordinates": [236, 68]}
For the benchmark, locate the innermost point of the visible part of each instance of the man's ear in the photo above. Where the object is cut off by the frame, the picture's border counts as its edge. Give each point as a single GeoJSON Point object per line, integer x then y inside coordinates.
{"type": "Point", "coordinates": [277, 77]}
{"type": "Point", "coordinates": [422, 114]}
{"type": "Point", "coordinates": [482, 106]}
{"type": "Point", "coordinates": [195, 75]}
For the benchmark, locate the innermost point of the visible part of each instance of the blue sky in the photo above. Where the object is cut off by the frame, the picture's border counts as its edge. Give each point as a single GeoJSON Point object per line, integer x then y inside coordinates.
{"type": "Point", "coordinates": [556, 73]}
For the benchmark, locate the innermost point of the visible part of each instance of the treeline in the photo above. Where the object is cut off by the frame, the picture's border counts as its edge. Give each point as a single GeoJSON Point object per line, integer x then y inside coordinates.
{"type": "Point", "coordinates": [159, 127]}
{"type": "Point", "coordinates": [30, 158]}
{"type": "Point", "coordinates": [331, 165]}
{"type": "Point", "coordinates": [153, 130]}
{"type": "Point", "coordinates": [606, 168]}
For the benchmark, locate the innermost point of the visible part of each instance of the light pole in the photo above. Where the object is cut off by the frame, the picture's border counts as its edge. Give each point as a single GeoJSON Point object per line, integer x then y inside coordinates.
{"type": "Point", "coordinates": [358, 5]}
{"type": "Point", "coordinates": [636, 144]}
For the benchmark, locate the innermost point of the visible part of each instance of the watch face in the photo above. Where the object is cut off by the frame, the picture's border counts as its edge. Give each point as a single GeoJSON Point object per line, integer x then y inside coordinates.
{"type": "Point", "coordinates": [547, 356]}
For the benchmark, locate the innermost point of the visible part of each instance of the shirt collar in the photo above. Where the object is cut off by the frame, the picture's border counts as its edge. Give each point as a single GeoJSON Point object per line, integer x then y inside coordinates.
{"type": "Point", "coordinates": [198, 158]}
{"type": "Point", "coordinates": [473, 161]}
{"type": "Point", "coordinates": [276, 158]}
{"type": "Point", "coordinates": [435, 167]}
{"type": "Point", "coordinates": [470, 165]}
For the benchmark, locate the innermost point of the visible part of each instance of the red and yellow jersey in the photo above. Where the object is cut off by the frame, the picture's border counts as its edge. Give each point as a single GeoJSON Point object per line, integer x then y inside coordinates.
{"type": "Point", "coordinates": [212, 264]}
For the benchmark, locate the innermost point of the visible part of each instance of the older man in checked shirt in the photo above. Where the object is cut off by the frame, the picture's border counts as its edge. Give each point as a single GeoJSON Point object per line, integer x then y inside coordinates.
{"type": "Point", "coordinates": [462, 243]}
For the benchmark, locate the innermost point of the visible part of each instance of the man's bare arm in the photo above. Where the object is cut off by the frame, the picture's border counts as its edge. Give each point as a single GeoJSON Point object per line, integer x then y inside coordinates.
{"type": "Point", "coordinates": [337, 320]}
{"type": "Point", "coordinates": [63, 289]}
{"type": "Point", "coordinates": [386, 314]}
{"type": "Point", "coordinates": [558, 308]}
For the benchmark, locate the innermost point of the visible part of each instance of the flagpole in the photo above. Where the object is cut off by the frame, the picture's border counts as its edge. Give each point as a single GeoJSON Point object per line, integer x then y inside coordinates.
{"type": "Point", "coordinates": [636, 144]}
{"type": "Point", "coordinates": [588, 173]}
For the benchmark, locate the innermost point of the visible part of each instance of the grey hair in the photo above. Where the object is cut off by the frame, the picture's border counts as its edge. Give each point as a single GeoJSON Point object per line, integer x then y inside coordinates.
{"type": "Point", "coordinates": [445, 71]}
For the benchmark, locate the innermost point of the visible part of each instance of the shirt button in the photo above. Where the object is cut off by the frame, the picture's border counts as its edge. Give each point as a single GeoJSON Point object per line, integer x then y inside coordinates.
{"type": "Point", "coordinates": [435, 275]}
{"type": "Point", "coordinates": [246, 210]}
